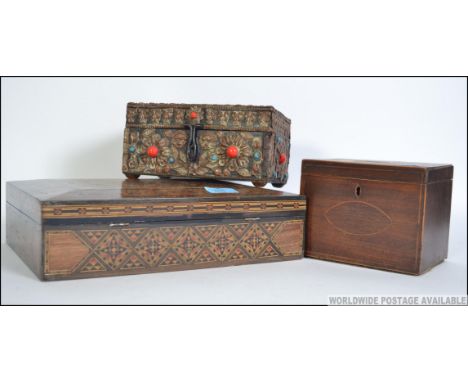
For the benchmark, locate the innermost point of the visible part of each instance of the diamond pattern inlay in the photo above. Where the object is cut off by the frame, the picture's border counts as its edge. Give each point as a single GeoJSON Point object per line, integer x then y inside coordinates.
{"type": "Point", "coordinates": [222, 243]}
{"type": "Point", "coordinates": [134, 234]}
{"type": "Point", "coordinates": [270, 227]}
{"type": "Point", "coordinates": [255, 240]}
{"type": "Point", "coordinates": [152, 247]}
{"type": "Point", "coordinates": [269, 251]}
{"type": "Point", "coordinates": [188, 245]}
{"type": "Point", "coordinates": [134, 262]}
{"type": "Point", "coordinates": [206, 230]}
{"type": "Point", "coordinates": [176, 247]}
{"type": "Point", "coordinates": [239, 228]}
{"type": "Point", "coordinates": [238, 254]}
{"type": "Point", "coordinates": [171, 232]}
{"type": "Point", "coordinates": [171, 259]}
{"type": "Point", "coordinates": [205, 257]}
{"type": "Point", "coordinates": [93, 265]}
{"type": "Point", "coordinates": [113, 249]}
{"type": "Point", "coordinates": [93, 236]}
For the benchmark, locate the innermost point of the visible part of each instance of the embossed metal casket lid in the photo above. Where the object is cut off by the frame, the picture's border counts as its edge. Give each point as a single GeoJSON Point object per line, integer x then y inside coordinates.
{"type": "Point", "coordinates": [114, 199]}
{"type": "Point", "coordinates": [212, 116]}
{"type": "Point", "coordinates": [406, 172]}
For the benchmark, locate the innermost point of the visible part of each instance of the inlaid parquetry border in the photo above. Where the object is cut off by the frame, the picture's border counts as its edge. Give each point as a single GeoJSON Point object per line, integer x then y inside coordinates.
{"type": "Point", "coordinates": [169, 209]}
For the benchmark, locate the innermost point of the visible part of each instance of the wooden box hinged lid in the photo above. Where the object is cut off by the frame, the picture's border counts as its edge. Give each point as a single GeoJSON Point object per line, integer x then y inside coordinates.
{"type": "Point", "coordinates": [103, 200]}
{"type": "Point", "coordinates": [406, 172]}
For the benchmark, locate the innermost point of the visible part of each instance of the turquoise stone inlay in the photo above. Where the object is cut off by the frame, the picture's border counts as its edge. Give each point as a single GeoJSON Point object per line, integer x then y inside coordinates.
{"type": "Point", "coordinates": [214, 157]}
{"type": "Point", "coordinates": [171, 160]}
{"type": "Point", "coordinates": [257, 155]}
{"type": "Point", "coordinates": [131, 149]}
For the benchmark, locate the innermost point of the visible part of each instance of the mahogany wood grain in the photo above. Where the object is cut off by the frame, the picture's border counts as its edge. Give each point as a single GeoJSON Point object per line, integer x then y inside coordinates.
{"type": "Point", "coordinates": [24, 236]}
{"type": "Point", "coordinates": [392, 216]}
{"type": "Point", "coordinates": [436, 223]}
{"type": "Point", "coordinates": [109, 190]}
{"type": "Point", "coordinates": [58, 243]}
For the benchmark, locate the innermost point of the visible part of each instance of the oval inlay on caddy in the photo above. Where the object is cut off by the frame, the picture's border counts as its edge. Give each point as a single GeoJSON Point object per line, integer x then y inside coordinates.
{"type": "Point", "coordinates": [367, 218]}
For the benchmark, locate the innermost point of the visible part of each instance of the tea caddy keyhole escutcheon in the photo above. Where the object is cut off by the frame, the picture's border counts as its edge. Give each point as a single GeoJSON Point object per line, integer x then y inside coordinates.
{"type": "Point", "coordinates": [357, 191]}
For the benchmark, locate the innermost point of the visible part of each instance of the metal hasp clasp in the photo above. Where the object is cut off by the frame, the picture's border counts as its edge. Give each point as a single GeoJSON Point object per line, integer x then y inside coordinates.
{"type": "Point", "coordinates": [192, 144]}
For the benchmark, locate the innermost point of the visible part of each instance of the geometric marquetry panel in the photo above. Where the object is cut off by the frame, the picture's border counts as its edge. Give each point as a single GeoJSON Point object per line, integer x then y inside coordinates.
{"type": "Point", "coordinates": [238, 254]}
{"type": "Point", "coordinates": [255, 240]}
{"type": "Point", "coordinates": [173, 247]}
{"type": "Point", "coordinates": [113, 249]}
{"type": "Point", "coordinates": [152, 246]}
{"type": "Point", "coordinates": [133, 262]}
{"type": "Point", "coordinates": [222, 242]}
{"type": "Point", "coordinates": [188, 244]}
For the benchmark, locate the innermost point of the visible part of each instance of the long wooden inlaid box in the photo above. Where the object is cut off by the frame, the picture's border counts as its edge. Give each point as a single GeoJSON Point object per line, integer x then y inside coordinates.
{"type": "Point", "coordinates": [86, 228]}
{"type": "Point", "coordinates": [388, 215]}
{"type": "Point", "coordinates": [235, 142]}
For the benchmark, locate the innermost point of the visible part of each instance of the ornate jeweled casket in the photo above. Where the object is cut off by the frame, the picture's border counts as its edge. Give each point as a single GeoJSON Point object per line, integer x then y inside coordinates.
{"type": "Point", "coordinates": [207, 141]}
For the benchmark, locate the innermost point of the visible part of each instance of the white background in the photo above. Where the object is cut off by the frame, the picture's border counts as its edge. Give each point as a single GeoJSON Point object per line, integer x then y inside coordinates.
{"type": "Point", "coordinates": [248, 37]}
{"type": "Point", "coordinates": [73, 128]}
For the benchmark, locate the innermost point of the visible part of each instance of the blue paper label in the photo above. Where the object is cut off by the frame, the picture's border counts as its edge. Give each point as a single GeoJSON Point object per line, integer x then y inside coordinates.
{"type": "Point", "coordinates": [221, 190]}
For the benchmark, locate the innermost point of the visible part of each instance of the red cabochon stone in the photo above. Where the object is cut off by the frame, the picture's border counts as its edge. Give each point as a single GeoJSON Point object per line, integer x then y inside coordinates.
{"type": "Point", "coordinates": [232, 151]}
{"type": "Point", "coordinates": [152, 151]}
